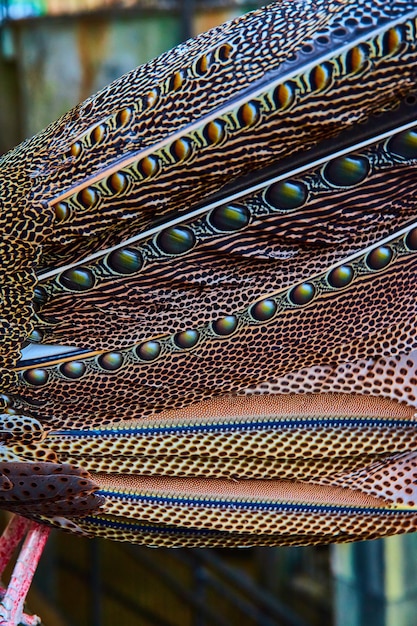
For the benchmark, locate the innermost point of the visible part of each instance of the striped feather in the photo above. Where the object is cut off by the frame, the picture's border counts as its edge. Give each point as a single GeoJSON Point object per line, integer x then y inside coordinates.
{"type": "Point", "coordinates": [219, 240]}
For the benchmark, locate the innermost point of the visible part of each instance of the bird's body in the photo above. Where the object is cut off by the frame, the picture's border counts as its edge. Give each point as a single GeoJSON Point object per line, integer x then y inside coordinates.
{"type": "Point", "coordinates": [224, 243]}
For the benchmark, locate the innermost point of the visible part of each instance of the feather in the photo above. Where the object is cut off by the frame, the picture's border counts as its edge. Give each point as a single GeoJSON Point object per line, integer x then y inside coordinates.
{"type": "Point", "coordinates": [223, 244]}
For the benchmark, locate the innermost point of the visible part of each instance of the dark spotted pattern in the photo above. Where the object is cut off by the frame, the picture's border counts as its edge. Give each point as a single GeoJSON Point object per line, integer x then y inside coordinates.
{"type": "Point", "coordinates": [60, 489]}
{"type": "Point", "coordinates": [199, 238]}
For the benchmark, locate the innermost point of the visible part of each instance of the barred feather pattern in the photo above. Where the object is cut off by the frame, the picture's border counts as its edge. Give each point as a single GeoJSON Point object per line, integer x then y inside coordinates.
{"type": "Point", "coordinates": [223, 242]}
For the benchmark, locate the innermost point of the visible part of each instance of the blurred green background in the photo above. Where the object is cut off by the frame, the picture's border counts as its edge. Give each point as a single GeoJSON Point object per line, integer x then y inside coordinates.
{"type": "Point", "coordinates": [53, 54]}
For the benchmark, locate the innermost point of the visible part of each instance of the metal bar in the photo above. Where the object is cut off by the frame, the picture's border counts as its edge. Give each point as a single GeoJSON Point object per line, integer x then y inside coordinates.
{"type": "Point", "coordinates": [262, 598]}
{"type": "Point", "coordinates": [200, 592]}
{"type": "Point", "coordinates": [95, 577]}
{"type": "Point", "coordinates": [117, 596]}
{"type": "Point", "coordinates": [141, 555]}
{"type": "Point", "coordinates": [246, 606]}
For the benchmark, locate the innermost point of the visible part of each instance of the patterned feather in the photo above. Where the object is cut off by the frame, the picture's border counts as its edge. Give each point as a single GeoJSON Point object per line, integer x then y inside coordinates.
{"type": "Point", "coordinates": [223, 244]}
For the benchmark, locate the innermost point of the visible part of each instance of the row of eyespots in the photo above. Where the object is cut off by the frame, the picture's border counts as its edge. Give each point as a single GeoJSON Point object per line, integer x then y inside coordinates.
{"type": "Point", "coordinates": [343, 172]}
{"type": "Point", "coordinates": [285, 195]}
{"type": "Point", "coordinates": [261, 311]}
{"type": "Point", "coordinates": [98, 133]}
{"type": "Point", "coordinates": [266, 309]}
{"type": "Point", "coordinates": [319, 78]}
{"type": "Point", "coordinates": [120, 182]}
{"type": "Point", "coordinates": [116, 184]}
{"type": "Point", "coordinates": [145, 352]}
{"type": "Point", "coordinates": [355, 59]}
{"type": "Point", "coordinates": [214, 133]}
{"type": "Point", "coordinates": [247, 115]}
{"type": "Point", "coordinates": [72, 370]}
{"type": "Point", "coordinates": [202, 66]}
{"type": "Point", "coordinates": [187, 339]}
{"type": "Point", "coordinates": [341, 276]}
{"type": "Point", "coordinates": [172, 241]}
{"type": "Point", "coordinates": [120, 120]}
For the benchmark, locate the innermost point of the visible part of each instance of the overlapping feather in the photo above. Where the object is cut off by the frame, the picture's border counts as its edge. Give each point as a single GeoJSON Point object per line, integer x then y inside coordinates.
{"type": "Point", "coordinates": [225, 245]}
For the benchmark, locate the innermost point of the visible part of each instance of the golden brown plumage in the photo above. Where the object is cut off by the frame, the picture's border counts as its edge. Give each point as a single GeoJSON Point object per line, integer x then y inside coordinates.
{"type": "Point", "coordinates": [224, 241]}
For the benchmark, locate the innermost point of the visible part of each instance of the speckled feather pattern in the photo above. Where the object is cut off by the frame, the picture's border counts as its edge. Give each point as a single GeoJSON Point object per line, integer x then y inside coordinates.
{"type": "Point", "coordinates": [227, 237]}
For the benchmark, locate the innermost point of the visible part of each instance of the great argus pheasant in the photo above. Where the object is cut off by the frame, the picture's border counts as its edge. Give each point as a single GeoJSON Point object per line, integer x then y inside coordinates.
{"type": "Point", "coordinates": [209, 294]}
